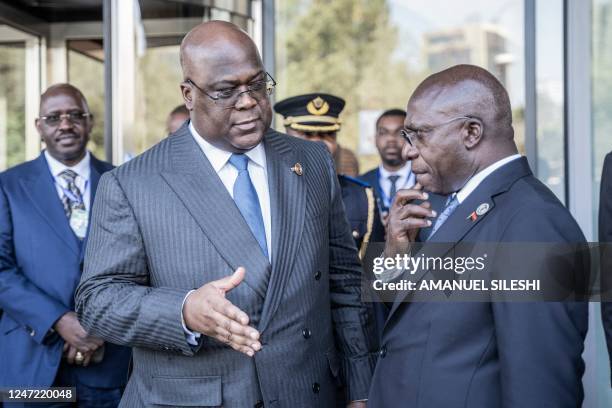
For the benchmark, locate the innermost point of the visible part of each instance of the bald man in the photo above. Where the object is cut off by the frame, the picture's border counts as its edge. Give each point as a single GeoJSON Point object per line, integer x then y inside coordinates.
{"type": "Point", "coordinates": [459, 137]}
{"type": "Point", "coordinates": [44, 214]}
{"type": "Point", "coordinates": [223, 255]}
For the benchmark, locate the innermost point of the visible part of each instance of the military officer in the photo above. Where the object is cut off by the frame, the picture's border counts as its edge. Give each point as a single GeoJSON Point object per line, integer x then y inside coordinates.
{"type": "Point", "coordinates": [316, 117]}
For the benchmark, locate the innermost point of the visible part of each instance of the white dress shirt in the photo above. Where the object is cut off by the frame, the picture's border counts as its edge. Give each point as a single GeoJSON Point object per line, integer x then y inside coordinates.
{"type": "Point", "coordinates": [406, 180]}
{"type": "Point", "coordinates": [479, 177]}
{"type": "Point", "coordinates": [219, 159]}
{"type": "Point", "coordinates": [82, 181]}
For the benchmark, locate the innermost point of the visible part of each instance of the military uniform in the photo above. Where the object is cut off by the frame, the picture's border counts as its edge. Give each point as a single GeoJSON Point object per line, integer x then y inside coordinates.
{"type": "Point", "coordinates": [318, 113]}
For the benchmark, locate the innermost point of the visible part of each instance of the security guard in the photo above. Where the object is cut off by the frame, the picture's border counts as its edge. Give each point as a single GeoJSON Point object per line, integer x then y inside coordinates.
{"type": "Point", "coordinates": [315, 117]}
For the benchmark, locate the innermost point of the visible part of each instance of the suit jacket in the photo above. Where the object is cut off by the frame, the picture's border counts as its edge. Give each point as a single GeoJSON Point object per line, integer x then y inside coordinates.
{"type": "Point", "coordinates": [164, 224]}
{"type": "Point", "coordinates": [605, 238]}
{"type": "Point", "coordinates": [486, 355]}
{"type": "Point", "coordinates": [40, 267]}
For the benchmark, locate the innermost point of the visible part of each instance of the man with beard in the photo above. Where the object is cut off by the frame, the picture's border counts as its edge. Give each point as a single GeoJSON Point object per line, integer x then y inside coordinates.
{"type": "Point", "coordinates": [44, 215]}
{"type": "Point", "coordinates": [394, 172]}
{"type": "Point", "coordinates": [250, 218]}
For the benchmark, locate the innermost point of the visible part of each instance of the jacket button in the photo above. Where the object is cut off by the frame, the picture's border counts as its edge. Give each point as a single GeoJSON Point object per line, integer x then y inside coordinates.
{"type": "Point", "coordinates": [383, 352]}
{"type": "Point", "coordinates": [318, 275]}
{"type": "Point", "coordinates": [355, 234]}
{"type": "Point", "coordinates": [306, 333]}
{"type": "Point", "coordinates": [259, 404]}
{"type": "Point", "coordinates": [315, 388]}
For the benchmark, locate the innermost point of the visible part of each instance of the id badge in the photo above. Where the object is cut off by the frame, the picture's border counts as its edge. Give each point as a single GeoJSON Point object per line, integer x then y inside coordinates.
{"type": "Point", "coordinates": [78, 222]}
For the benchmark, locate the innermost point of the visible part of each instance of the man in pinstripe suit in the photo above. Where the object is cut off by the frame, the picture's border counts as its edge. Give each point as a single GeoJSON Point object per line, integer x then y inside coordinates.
{"type": "Point", "coordinates": [223, 255]}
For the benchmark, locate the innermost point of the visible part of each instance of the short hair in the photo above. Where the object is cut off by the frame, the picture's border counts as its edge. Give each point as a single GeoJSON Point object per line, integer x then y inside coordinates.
{"type": "Point", "coordinates": [391, 112]}
{"type": "Point", "coordinates": [181, 109]}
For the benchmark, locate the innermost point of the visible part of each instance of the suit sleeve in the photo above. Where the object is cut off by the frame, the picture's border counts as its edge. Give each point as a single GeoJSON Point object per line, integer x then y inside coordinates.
{"type": "Point", "coordinates": [605, 241]}
{"type": "Point", "coordinates": [25, 302]}
{"type": "Point", "coordinates": [353, 323]}
{"type": "Point", "coordinates": [114, 299]}
{"type": "Point", "coordinates": [540, 344]}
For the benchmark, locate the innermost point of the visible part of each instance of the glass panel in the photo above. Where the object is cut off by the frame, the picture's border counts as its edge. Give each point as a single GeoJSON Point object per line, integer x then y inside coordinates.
{"type": "Point", "coordinates": [159, 29]}
{"type": "Point", "coordinates": [602, 92]}
{"type": "Point", "coordinates": [374, 53]}
{"type": "Point", "coordinates": [12, 103]}
{"type": "Point", "coordinates": [550, 95]}
{"type": "Point", "coordinates": [86, 72]}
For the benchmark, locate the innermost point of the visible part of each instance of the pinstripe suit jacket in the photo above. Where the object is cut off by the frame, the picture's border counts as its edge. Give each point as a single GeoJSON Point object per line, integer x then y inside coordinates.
{"type": "Point", "coordinates": [164, 223]}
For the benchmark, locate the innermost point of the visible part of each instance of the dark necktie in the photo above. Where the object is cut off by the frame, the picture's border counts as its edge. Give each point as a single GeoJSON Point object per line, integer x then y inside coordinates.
{"type": "Point", "coordinates": [393, 179]}
{"type": "Point", "coordinates": [72, 200]}
{"type": "Point", "coordinates": [247, 201]}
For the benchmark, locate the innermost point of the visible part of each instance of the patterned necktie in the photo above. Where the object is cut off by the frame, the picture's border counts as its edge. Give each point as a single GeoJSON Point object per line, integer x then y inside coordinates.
{"type": "Point", "coordinates": [247, 201]}
{"type": "Point", "coordinates": [72, 201]}
{"type": "Point", "coordinates": [451, 204]}
{"type": "Point", "coordinates": [393, 179]}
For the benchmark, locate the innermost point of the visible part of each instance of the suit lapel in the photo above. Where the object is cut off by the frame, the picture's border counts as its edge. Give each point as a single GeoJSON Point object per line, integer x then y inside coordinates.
{"type": "Point", "coordinates": [461, 221]}
{"type": "Point", "coordinates": [40, 190]}
{"type": "Point", "coordinates": [288, 204]}
{"type": "Point", "coordinates": [197, 185]}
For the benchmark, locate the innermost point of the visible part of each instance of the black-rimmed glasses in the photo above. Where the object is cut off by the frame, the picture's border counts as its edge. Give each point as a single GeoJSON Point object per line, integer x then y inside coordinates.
{"type": "Point", "coordinates": [76, 118]}
{"type": "Point", "coordinates": [411, 134]}
{"type": "Point", "coordinates": [228, 98]}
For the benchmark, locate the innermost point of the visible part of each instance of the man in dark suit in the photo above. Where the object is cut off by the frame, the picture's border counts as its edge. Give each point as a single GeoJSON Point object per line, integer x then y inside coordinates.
{"type": "Point", "coordinates": [472, 354]}
{"type": "Point", "coordinates": [605, 239]}
{"type": "Point", "coordinates": [394, 172]}
{"type": "Point", "coordinates": [254, 221]}
{"type": "Point", "coordinates": [44, 213]}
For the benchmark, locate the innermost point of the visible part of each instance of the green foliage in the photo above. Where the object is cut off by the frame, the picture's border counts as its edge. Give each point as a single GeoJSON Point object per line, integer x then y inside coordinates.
{"type": "Point", "coordinates": [12, 88]}
{"type": "Point", "coordinates": [346, 48]}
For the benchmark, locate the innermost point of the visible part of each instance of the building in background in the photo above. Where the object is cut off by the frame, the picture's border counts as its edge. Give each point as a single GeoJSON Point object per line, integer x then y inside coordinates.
{"type": "Point", "coordinates": [478, 44]}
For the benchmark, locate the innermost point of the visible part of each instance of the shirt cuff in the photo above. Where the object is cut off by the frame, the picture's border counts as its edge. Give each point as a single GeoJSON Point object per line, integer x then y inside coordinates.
{"type": "Point", "coordinates": [191, 337]}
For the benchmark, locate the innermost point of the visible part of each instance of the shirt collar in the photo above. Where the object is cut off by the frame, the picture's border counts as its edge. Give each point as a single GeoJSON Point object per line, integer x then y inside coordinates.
{"type": "Point", "coordinates": [403, 172]}
{"type": "Point", "coordinates": [82, 168]}
{"type": "Point", "coordinates": [478, 178]}
{"type": "Point", "coordinates": [219, 158]}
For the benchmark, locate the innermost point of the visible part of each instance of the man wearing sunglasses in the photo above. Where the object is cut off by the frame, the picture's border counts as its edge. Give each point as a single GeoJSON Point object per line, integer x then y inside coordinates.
{"type": "Point", "coordinates": [223, 255]}
{"type": "Point", "coordinates": [441, 353]}
{"type": "Point", "coordinates": [45, 206]}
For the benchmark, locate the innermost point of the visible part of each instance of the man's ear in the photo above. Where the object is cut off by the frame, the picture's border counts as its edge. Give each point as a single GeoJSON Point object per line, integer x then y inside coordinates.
{"type": "Point", "coordinates": [472, 133]}
{"type": "Point", "coordinates": [187, 92]}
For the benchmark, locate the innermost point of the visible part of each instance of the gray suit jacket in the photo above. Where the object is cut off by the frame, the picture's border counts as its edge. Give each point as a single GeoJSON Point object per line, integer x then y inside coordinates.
{"type": "Point", "coordinates": [163, 224]}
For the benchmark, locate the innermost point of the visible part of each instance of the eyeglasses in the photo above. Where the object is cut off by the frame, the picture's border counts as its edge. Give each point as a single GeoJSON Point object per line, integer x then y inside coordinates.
{"type": "Point", "coordinates": [76, 118]}
{"type": "Point", "coordinates": [228, 98]}
{"type": "Point", "coordinates": [411, 134]}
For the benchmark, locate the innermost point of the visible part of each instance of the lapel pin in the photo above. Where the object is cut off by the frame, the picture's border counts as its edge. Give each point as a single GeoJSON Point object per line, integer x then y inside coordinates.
{"type": "Point", "coordinates": [481, 210]}
{"type": "Point", "coordinates": [297, 169]}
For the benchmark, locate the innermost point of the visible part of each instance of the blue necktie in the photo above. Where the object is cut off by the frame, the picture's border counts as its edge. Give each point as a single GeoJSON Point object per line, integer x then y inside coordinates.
{"type": "Point", "coordinates": [451, 204]}
{"type": "Point", "coordinates": [247, 201]}
{"type": "Point", "coordinates": [393, 190]}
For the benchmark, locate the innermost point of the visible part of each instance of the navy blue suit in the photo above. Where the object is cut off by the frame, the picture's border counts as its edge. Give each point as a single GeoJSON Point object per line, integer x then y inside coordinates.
{"type": "Point", "coordinates": [40, 267]}
{"type": "Point", "coordinates": [488, 355]}
{"type": "Point", "coordinates": [372, 178]}
{"type": "Point", "coordinates": [605, 238]}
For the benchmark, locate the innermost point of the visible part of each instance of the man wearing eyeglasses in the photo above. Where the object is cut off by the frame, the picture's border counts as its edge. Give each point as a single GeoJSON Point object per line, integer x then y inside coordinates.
{"type": "Point", "coordinates": [45, 206]}
{"type": "Point", "coordinates": [506, 354]}
{"type": "Point", "coordinates": [223, 255]}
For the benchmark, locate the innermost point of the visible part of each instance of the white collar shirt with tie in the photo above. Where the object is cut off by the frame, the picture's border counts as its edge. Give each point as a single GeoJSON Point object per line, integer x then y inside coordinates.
{"type": "Point", "coordinates": [82, 181]}
{"type": "Point", "coordinates": [405, 179]}
{"type": "Point", "coordinates": [219, 159]}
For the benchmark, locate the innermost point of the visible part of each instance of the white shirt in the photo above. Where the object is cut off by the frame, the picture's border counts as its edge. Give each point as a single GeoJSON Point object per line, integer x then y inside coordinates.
{"type": "Point", "coordinates": [219, 159]}
{"type": "Point", "coordinates": [82, 181]}
{"type": "Point", "coordinates": [406, 180]}
{"type": "Point", "coordinates": [479, 177]}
